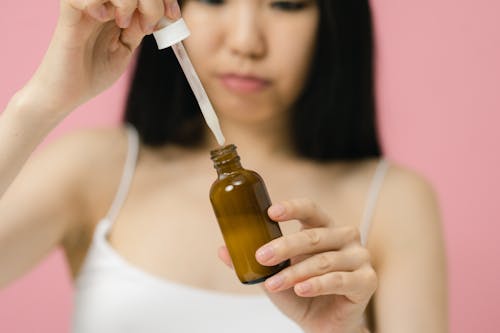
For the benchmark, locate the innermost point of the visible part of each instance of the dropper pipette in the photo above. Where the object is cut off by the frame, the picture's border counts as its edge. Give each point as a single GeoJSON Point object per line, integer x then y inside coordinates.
{"type": "Point", "coordinates": [172, 35]}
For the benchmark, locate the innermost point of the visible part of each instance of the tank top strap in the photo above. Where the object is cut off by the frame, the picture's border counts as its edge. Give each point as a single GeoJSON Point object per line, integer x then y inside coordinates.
{"type": "Point", "coordinates": [371, 199]}
{"type": "Point", "coordinates": [127, 173]}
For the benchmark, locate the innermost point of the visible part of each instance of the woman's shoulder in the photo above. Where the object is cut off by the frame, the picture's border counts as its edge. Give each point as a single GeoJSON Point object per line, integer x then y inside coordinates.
{"type": "Point", "coordinates": [88, 162]}
{"type": "Point", "coordinates": [84, 151]}
{"type": "Point", "coordinates": [398, 183]}
{"type": "Point", "coordinates": [407, 213]}
{"type": "Point", "coordinates": [406, 187]}
{"type": "Point", "coordinates": [90, 142]}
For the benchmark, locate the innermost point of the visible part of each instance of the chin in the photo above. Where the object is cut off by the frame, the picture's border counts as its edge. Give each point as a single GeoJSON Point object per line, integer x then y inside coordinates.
{"type": "Point", "coordinates": [241, 108]}
{"type": "Point", "coordinates": [245, 113]}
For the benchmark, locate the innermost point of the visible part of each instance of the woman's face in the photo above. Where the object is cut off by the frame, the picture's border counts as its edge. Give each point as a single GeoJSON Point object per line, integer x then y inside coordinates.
{"type": "Point", "coordinates": [253, 56]}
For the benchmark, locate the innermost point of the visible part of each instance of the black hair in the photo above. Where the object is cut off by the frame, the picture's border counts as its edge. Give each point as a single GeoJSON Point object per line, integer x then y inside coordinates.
{"type": "Point", "coordinates": [333, 119]}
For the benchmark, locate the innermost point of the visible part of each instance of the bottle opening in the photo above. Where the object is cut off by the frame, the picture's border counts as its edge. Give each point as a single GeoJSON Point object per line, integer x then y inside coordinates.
{"type": "Point", "coordinates": [223, 155]}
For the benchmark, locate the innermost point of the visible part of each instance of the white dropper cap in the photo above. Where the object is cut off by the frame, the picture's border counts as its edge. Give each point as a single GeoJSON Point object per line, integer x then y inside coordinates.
{"type": "Point", "coordinates": [172, 32]}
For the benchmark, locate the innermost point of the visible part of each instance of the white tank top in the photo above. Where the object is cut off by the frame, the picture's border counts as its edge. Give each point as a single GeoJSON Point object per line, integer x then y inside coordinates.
{"type": "Point", "coordinates": [114, 296]}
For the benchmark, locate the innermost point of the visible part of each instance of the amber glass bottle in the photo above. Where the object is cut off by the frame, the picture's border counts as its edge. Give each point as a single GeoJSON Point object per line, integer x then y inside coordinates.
{"type": "Point", "coordinates": [240, 201]}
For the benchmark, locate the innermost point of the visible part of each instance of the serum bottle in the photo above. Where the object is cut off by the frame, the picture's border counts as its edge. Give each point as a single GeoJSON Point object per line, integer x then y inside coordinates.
{"type": "Point", "coordinates": [240, 202]}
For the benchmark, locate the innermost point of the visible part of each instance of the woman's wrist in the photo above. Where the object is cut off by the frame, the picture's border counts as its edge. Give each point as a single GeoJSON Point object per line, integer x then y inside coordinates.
{"type": "Point", "coordinates": [33, 104]}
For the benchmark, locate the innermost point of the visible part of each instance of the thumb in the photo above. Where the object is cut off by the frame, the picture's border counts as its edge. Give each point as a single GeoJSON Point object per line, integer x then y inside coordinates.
{"type": "Point", "coordinates": [132, 36]}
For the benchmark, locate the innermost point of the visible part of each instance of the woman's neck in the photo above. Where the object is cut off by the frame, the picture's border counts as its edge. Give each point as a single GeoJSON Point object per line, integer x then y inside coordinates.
{"type": "Point", "coordinates": [256, 142]}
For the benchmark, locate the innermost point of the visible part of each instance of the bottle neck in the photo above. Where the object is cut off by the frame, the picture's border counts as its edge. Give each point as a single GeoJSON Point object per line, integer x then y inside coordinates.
{"type": "Point", "coordinates": [226, 160]}
{"type": "Point", "coordinates": [228, 168]}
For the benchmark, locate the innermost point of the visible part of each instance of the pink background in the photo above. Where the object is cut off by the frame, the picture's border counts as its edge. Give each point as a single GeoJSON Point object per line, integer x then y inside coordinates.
{"type": "Point", "coordinates": [439, 101]}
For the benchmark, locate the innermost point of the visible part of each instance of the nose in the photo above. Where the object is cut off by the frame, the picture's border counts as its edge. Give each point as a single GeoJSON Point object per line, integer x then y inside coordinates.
{"type": "Point", "coordinates": [245, 36]}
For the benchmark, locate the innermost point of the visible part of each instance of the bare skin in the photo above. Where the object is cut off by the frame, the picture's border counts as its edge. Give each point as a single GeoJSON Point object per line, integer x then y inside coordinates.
{"type": "Point", "coordinates": [156, 216]}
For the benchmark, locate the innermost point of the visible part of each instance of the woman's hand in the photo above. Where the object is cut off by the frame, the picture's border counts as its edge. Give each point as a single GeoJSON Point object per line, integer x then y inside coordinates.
{"type": "Point", "coordinates": [330, 280]}
{"type": "Point", "coordinates": [91, 47]}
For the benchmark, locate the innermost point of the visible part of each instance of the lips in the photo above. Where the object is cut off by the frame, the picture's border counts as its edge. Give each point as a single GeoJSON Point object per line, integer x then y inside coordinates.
{"type": "Point", "coordinates": [244, 83]}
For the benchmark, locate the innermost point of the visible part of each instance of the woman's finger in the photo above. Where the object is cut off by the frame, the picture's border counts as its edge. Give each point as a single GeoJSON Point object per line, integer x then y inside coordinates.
{"type": "Point", "coordinates": [223, 255]}
{"type": "Point", "coordinates": [124, 10]}
{"type": "Point", "coordinates": [304, 210]}
{"type": "Point", "coordinates": [151, 13]}
{"type": "Point", "coordinates": [347, 260]}
{"type": "Point", "coordinates": [76, 4]}
{"type": "Point", "coordinates": [172, 9]}
{"type": "Point", "coordinates": [101, 10]}
{"type": "Point", "coordinates": [307, 241]}
{"type": "Point", "coordinates": [357, 286]}
{"type": "Point", "coordinates": [133, 35]}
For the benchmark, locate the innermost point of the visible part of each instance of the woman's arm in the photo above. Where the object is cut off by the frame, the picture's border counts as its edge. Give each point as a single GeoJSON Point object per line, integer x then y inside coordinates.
{"type": "Point", "coordinates": [23, 125]}
{"type": "Point", "coordinates": [41, 206]}
{"type": "Point", "coordinates": [52, 200]}
{"type": "Point", "coordinates": [91, 47]}
{"type": "Point", "coordinates": [412, 293]}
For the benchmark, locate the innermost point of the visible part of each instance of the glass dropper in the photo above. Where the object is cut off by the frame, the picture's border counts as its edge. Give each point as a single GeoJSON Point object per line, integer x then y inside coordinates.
{"type": "Point", "coordinates": [172, 34]}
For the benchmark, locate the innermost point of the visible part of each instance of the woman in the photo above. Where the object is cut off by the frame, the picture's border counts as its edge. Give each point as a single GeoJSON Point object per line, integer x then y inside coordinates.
{"type": "Point", "coordinates": [292, 85]}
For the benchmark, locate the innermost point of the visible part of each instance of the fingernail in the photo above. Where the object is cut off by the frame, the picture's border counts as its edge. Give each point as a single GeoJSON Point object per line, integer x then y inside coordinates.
{"type": "Point", "coordinates": [175, 10]}
{"type": "Point", "coordinates": [277, 210]}
{"type": "Point", "coordinates": [275, 282]}
{"type": "Point", "coordinates": [265, 253]}
{"type": "Point", "coordinates": [304, 288]}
